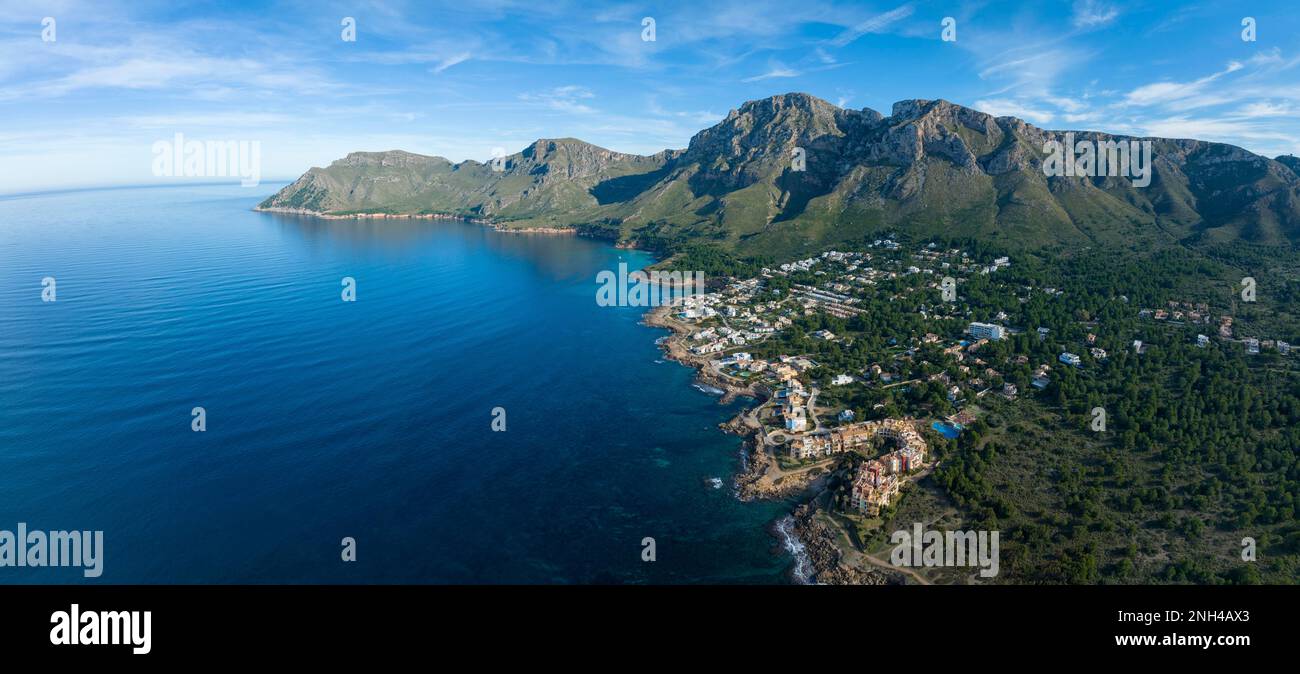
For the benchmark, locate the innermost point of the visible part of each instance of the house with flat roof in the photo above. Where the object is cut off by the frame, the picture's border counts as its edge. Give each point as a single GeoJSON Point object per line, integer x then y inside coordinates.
{"type": "Point", "coordinates": [986, 331]}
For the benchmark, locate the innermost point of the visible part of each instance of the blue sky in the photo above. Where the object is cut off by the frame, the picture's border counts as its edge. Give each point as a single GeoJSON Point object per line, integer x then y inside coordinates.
{"type": "Point", "coordinates": [458, 79]}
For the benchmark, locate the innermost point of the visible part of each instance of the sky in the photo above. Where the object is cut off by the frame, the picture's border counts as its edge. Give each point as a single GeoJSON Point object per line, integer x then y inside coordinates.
{"type": "Point", "coordinates": [85, 104]}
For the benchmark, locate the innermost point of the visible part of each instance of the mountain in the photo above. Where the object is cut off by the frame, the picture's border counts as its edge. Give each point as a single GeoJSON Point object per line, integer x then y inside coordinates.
{"type": "Point", "coordinates": [931, 167]}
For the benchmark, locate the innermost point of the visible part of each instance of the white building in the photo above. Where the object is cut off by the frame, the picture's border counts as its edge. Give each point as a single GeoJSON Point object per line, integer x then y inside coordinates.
{"type": "Point", "coordinates": [795, 421]}
{"type": "Point", "coordinates": [1070, 359]}
{"type": "Point", "coordinates": [986, 331]}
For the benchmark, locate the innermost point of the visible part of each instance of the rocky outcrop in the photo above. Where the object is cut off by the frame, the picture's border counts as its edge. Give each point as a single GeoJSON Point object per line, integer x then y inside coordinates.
{"type": "Point", "coordinates": [826, 557]}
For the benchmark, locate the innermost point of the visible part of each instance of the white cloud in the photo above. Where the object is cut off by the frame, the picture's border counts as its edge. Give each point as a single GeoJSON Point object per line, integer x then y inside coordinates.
{"type": "Point", "coordinates": [1091, 13]}
{"type": "Point", "coordinates": [1222, 129]}
{"type": "Point", "coordinates": [774, 71]}
{"type": "Point", "coordinates": [875, 24]}
{"type": "Point", "coordinates": [217, 120]}
{"type": "Point", "coordinates": [451, 61]}
{"type": "Point", "coordinates": [1190, 94]}
{"type": "Point", "coordinates": [1001, 107]}
{"type": "Point", "coordinates": [1256, 110]}
{"type": "Point", "coordinates": [563, 99]}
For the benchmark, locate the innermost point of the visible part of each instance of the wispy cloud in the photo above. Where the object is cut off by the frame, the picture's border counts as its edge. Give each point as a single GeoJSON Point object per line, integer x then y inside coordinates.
{"type": "Point", "coordinates": [1092, 13]}
{"type": "Point", "coordinates": [774, 71]}
{"type": "Point", "coordinates": [454, 78]}
{"type": "Point", "coordinates": [875, 24]}
{"type": "Point", "coordinates": [563, 99]}
{"type": "Point", "coordinates": [1185, 93]}
{"type": "Point", "coordinates": [451, 61]}
{"type": "Point", "coordinates": [1001, 107]}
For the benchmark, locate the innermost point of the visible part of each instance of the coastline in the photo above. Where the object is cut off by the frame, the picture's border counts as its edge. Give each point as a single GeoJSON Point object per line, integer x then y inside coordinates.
{"type": "Point", "coordinates": [364, 216]}
{"type": "Point", "coordinates": [487, 222]}
{"type": "Point", "coordinates": [818, 556]}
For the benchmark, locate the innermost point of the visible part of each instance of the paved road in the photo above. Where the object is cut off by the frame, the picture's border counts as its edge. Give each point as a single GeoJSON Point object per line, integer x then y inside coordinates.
{"type": "Point", "coordinates": [812, 409]}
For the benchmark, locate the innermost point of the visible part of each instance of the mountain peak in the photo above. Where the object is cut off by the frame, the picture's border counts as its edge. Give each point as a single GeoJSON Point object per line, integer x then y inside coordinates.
{"type": "Point", "coordinates": [793, 99]}
{"type": "Point", "coordinates": [547, 147]}
{"type": "Point", "coordinates": [793, 171]}
{"type": "Point", "coordinates": [386, 158]}
{"type": "Point", "coordinates": [916, 108]}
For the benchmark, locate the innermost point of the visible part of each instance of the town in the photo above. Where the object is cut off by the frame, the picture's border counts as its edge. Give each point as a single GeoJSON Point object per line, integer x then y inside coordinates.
{"type": "Point", "coordinates": [855, 357]}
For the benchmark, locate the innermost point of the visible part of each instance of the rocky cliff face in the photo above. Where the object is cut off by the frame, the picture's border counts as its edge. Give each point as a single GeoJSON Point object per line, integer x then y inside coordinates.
{"type": "Point", "coordinates": [792, 173]}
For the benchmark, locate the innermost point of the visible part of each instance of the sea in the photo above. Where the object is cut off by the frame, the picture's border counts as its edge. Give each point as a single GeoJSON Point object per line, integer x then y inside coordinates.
{"type": "Point", "coordinates": [349, 441]}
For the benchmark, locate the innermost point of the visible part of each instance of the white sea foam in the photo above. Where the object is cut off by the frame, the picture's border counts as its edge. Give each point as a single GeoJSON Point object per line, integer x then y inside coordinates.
{"type": "Point", "coordinates": [802, 571]}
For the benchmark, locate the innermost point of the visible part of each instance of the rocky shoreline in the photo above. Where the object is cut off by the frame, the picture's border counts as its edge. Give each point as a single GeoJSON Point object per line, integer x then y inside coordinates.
{"type": "Point", "coordinates": [496, 225]}
{"type": "Point", "coordinates": [554, 231]}
{"type": "Point", "coordinates": [368, 216]}
{"type": "Point", "coordinates": [815, 545]}
{"type": "Point", "coordinates": [676, 350]}
{"type": "Point", "coordinates": [827, 558]}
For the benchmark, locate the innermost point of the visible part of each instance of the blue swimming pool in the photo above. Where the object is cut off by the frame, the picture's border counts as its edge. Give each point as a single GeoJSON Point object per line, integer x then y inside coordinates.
{"type": "Point", "coordinates": [946, 429]}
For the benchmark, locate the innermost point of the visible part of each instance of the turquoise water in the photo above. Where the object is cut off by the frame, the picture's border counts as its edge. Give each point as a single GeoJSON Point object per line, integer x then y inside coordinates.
{"type": "Point", "coordinates": [947, 430]}
{"type": "Point", "coordinates": [329, 419]}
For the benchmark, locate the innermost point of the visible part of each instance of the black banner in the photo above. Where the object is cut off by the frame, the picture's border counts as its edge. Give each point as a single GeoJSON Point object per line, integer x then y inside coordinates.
{"type": "Point", "coordinates": [139, 623]}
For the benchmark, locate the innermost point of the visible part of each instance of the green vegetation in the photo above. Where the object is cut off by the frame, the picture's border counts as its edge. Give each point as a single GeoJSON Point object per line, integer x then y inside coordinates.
{"type": "Point", "coordinates": [930, 169]}
{"type": "Point", "coordinates": [1200, 446]}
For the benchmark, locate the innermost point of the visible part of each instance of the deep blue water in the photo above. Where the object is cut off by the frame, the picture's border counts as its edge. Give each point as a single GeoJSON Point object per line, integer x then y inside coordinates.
{"type": "Point", "coordinates": [327, 419]}
{"type": "Point", "coordinates": [947, 430]}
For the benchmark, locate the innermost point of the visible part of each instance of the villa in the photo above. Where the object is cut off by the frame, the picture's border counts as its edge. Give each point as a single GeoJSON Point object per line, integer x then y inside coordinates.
{"type": "Point", "coordinates": [795, 420]}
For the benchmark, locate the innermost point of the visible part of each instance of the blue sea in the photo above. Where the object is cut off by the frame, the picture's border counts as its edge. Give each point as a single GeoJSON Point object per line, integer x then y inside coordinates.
{"type": "Point", "coordinates": [329, 419]}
